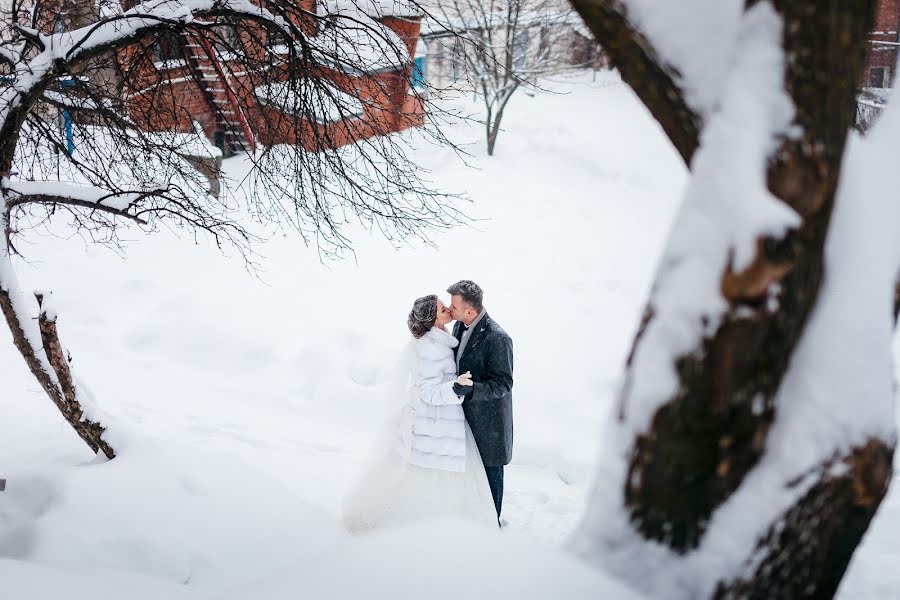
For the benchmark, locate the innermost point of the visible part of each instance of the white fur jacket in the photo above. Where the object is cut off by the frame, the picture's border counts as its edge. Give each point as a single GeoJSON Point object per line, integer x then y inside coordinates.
{"type": "Point", "coordinates": [438, 438]}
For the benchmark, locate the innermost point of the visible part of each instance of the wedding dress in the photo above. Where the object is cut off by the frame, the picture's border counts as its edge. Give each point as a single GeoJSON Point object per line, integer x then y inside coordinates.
{"type": "Point", "coordinates": [394, 487]}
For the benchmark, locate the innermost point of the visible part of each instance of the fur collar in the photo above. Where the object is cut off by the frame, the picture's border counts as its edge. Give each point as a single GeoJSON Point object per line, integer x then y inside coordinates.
{"type": "Point", "coordinates": [440, 337]}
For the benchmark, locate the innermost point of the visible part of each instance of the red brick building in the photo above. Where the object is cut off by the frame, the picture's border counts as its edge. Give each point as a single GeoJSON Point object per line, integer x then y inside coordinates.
{"type": "Point", "coordinates": [188, 83]}
{"type": "Point", "coordinates": [884, 43]}
{"type": "Point", "coordinates": [878, 76]}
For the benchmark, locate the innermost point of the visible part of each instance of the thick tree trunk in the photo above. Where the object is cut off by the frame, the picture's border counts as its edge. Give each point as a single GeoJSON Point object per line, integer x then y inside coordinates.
{"type": "Point", "coordinates": [704, 441]}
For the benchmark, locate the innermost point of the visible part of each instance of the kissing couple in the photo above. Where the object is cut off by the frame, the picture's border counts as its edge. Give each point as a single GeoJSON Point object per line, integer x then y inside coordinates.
{"type": "Point", "coordinates": [453, 432]}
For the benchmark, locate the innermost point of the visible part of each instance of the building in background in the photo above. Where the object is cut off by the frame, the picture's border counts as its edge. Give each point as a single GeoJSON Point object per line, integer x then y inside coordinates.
{"type": "Point", "coordinates": [548, 27]}
{"type": "Point", "coordinates": [189, 84]}
{"type": "Point", "coordinates": [881, 61]}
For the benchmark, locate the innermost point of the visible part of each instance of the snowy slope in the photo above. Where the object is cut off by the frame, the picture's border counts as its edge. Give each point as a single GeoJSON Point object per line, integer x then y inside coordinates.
{"type": "Point", "coordinates": [242, 407]}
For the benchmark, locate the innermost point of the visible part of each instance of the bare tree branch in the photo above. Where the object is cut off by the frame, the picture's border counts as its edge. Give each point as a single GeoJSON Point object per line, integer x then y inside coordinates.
{"type": "Point", "coordinates": [90, 205]}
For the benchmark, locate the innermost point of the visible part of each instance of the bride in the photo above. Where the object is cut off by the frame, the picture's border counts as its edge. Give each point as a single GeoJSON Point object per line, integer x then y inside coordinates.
{"type": "Point", "coordinates": [429, 466]}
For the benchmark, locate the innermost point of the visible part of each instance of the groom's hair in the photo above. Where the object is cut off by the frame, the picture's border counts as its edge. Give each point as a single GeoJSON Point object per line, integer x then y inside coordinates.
{"type": "Point", "coordinates": [470, 292]}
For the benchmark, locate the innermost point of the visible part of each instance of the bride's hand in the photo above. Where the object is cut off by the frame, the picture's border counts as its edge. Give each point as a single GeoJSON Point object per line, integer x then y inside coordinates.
{"type": "Point", "coordinates": [465, 379]}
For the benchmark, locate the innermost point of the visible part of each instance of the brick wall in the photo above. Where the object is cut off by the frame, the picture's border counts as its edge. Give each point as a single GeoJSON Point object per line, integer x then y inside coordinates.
{"type": "Point", "coordinates": [887, 16]}
{"type": "Point", "coordinates": [882, 58]}
{"type": "Point", "coordinates": [170, 98]}
{"type": "Point", "coordinates": [163, 96]}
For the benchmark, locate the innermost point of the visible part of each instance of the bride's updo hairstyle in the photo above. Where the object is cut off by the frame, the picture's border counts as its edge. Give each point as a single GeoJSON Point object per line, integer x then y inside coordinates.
{"type": "Point", "coordinates": [422, 316]}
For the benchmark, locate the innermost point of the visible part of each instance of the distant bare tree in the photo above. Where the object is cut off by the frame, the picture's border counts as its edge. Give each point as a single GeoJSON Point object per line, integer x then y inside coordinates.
{"type": "Point", "coordinates": [504, 45]}
{"type": "Point", "coordinates": [104, 76]}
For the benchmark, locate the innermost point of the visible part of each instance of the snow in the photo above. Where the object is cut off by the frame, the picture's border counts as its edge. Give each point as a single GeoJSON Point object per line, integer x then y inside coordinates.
{"type": "Point", "coordinates": [405, 563]}
{"type": "Point", "coordinates": [376, 8]}
{"type": "Point", "coordinates": [241, 408]}
{"type": "Point", "coordinates": [74, 191]}
{"type": "Point", "coordinates": [697, 37]}
{"type": "Point", "coordinates": [868, 227]}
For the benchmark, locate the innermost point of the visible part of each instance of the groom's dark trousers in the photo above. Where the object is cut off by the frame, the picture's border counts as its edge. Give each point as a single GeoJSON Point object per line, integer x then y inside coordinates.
{"type": "Point", "coordinates": [487, 353]}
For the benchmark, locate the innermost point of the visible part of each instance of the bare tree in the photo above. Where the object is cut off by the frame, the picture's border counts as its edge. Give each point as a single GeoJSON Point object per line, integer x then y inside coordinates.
{"type": "Point", "coordinates": [504, 45]}
{"type": "Point", "coordinates": [108, 72]}
{"type": "Point", "coordinates": [728, 482]}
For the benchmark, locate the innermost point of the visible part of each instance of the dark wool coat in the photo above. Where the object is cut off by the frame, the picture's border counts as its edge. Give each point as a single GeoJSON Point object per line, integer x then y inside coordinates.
{"type": "Point", "coordinates": [488, 355]}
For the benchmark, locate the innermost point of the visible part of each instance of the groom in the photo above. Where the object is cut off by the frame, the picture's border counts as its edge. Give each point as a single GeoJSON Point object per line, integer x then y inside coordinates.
{"type": "Point", "coordinates": [486, 352]}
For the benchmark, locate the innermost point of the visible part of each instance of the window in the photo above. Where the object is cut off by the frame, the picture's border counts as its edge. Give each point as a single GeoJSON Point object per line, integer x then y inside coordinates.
{"type": "Point", "coordinates": [520, 48]}
{"type": "Point", "coordinates": [420, 64]}
{"type": "Point", "coordinates": [276, 38]}
{"type": "Point", "coordinates": [418, 72]}
{"type": "Point", "coordinates": [457, 60]}
{"type": "Point", "coordinates": [878, 77]}
{"type": "Point", "coordinates": [168, 47]}
{"type": "Point", "coordinates": [277, 44]}
{"type": "Point", "coordinates": [228, 40]}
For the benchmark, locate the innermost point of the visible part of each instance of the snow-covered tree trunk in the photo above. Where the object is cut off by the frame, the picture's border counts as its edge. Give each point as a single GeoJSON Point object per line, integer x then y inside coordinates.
{"type": "Point", "coordinates": [760, 107]}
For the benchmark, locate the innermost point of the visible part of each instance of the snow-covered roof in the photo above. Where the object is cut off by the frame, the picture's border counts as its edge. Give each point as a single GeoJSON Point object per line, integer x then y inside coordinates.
{"type": "Point", "coordinates": [374, 8]}
{"type": "Point", "coordinates": [320, 100]}
{"type": "Point", "coordinates": [438, 22]}
{"type": "Point", "coordinates": [358, 42]}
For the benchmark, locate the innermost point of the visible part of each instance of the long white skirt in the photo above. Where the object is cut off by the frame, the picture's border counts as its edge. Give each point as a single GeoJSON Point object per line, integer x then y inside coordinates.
{"type": "Point", "coordinates": [393, 492]}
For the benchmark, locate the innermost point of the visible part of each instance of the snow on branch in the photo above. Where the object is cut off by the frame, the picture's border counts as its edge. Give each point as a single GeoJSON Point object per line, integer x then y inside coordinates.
{"type": "Point", "coordinates": [83, 196]}
{"type": "Point", "coordinates": [117, 30]}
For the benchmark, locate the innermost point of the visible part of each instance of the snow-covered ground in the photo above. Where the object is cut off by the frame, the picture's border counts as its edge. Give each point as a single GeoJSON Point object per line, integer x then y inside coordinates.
{"type": "Point", "coordinates": [241, 408]}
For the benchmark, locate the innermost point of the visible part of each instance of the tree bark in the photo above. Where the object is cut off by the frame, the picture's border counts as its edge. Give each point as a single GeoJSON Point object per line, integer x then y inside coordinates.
{"type": "Point", "coordinates": [89, 431]}
{"type": "Point", "coordinates": [807, 553]}
{"type": "Point", "coordinates": [703, 442]}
